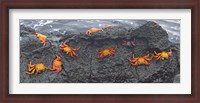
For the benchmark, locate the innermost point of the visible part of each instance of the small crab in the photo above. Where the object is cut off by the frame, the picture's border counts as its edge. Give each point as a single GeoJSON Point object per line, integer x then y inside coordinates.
{"type": "Point", "coordinates": [162, 55]}
{"type": "Point", "coordinates": [140, 60]}
{"type": "Point", "coordinates": [68, 50]}
{"type": "Point", "coordinates": [32, 68]}
{"type": "Point", "coordinates": [107, 52]}
{"type": "Point", "coordinates": [129, 43]}
{"type": "Point", "coordinates": [56, 64]}
{"type": "Point", "coordinates": [92, 30]}
{"type": "Point", "coordinates": [41, 37]}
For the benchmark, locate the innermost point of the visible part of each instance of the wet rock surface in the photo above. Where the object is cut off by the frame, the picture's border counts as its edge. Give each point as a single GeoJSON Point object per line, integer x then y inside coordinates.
{"type": "Point", "coordinates": [87, 68]}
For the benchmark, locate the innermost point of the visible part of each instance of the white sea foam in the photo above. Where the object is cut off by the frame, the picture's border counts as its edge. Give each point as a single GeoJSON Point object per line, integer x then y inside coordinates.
{"type": "Point", "coordinates": [171, 26]}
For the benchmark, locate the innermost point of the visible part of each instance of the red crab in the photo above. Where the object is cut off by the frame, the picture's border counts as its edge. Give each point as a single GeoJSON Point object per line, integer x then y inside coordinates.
{"type": "Point", "coordinates": [107, 52]}
{"type": "Point", "coordinates": [68, 50]}
{"type": "Point", "coordinates": [57, 64]}
{"type": "Point", "coordinates": [143, 60]}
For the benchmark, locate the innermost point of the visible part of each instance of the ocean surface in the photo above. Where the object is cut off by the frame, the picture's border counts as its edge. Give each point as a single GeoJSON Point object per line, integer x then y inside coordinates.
{"type": "Point", "coordinates": [76, 26]}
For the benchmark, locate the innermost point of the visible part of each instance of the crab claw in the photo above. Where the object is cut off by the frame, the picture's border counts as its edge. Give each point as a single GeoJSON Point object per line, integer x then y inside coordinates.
{"type": "Point", "coordinates": [89, 33]}
{"type": "Point", "coordinates": [170, 52]}
{"type": "Point", "coordinates": [58, 57]}
{"type": "Point", "coordinates": [133, 56]}
{"type": "Point", "coordinates": [97, 50]}
{"type": "Point", "coordinates": [34, 33]}
{"type": "Point", "coordinates": [129, 59]}
{"type": "Point", "coordinates": [152, 55]}
{"type": "Point", "coordinates": [29, 62]}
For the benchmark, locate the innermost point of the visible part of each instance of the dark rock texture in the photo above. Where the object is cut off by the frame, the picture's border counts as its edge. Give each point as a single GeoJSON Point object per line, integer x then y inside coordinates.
{"type": "Point", "coordinates": [87, 68]}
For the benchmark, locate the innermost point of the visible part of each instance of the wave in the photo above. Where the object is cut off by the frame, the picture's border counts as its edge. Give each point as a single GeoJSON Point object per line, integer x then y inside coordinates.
{"type": "Point", "coordinates": [172, 26]}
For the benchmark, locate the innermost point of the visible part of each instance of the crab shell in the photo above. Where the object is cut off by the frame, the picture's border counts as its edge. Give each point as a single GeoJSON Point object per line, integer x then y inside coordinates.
{"type": "Point", "coordinates": [107, 52]}
{"type": "Point", "coordinates": [57, 64]}
{"type": "Point", "coordinates": [140, 60]}
{"type": "Point", "coordinates": [92, 30]}
{"type": "Point", "coordinates": [32, 68]}
{"type": "Point", "coordinates": [162, 55]}
{"type": "Point", "coordinates": [69, 50]}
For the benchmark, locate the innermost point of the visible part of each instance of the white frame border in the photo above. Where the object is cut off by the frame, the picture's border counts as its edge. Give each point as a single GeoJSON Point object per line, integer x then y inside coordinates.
{"type": "Point", "coordinates": [184, 87]}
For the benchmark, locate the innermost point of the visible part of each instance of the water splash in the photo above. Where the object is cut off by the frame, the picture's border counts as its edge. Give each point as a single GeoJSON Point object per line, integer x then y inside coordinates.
{"type": "Point", "coordinates": [171, 26]}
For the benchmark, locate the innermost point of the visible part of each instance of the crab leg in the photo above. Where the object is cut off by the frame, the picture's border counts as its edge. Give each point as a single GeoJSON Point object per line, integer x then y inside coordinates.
{"type": "Point", "coordinates": [37, 71]}
{"type": "Point", "coordinates": [158, 58]}
{"type": "Point", "coordinates": [74, 53]}
{"type": "Point", "coordinates": [132, 64]}
{"type": "Point", "coordinates": [67, 52]}
{"type": "Point", "coordinates": [65, 45]}
{"type": "Point", "coordinates": [71, 54]}
{"type": "Point", "coordinates": [147, 58]}
{"type": "Point", "coordinates": [136, 63]}
{"type": "Point", "coordinates": [44, 43]}
{"type": "Point", "coordinates": [30, 69]}
{"type": "Point", "coordinates": [112, 53]}
{"type": "Point", "coordinates": [133, 42]}
{"type": "Point", "coordinates": [146, 63]}
{"type": "Point", "coordinates": [53, 68]}
{"type": "Point", "coordinates": [170, 52]}
{"type": "Point", "coordinates": [76, 48]}
{"type": "Point", "coordinates": [58, 70]}
{"type": "Point", "coordinates": [101, 55]}
{"type": "Point", "coordinates": [155, 52]}
{"type": "Point", "coordinates": [129, 59]}
{"type": "Point", "coordinates": [31, 72]}
{"type": "Point", "coordinates": [134, 60]}
{"type": "Point", "coordinates": [61, 48]}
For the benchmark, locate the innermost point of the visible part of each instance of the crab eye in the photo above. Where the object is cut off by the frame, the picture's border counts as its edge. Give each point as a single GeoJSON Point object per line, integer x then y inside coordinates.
{"type": "Point", "coordinates": [163, 58]}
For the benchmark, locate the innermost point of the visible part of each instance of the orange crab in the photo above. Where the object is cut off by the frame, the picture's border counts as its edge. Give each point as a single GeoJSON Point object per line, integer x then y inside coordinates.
{"type": "Point", "coordinates": [57, 64]}
{"type": "Point", "coordinates": [32, 68]}
{"type": "Point", "coordinates": [107, 52]}
{"type": "Point", "coordinates": [68, 50]}
{"type": "Point", "coordinates": [41, 37]}
{"type": "Point", "coordinates": [162, 55]}
{"type": "Point", "coordinates": [92, 30]}
{"type": "Point", "coordinates": [140, 60]}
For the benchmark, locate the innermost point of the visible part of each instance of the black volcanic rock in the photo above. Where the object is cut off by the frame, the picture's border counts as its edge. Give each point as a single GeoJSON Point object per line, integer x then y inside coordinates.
{"type": "Point", "coordinates": [87, 68]}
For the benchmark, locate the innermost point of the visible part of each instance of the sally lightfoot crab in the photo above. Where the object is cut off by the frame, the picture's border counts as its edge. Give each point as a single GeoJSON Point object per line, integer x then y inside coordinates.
{"type": "Point", "coordinates": [68, 50]}
{"type": "Point", "coordinates": [129, 43]}
{"type": "Point", "coordinates": [93, 30]}
{"type": "Point", "coordinates": [107, 52]}
{"type": "Point", "coordinates": [56, 64]}
{"type": "Point", "coordinates": [144, 60]}
{"type": "Point", "coordinates": [41, 37]}
{"type": "Point", "coordinates": [162, 55]}
{"type": "Point", "coordinates": [32, 68]}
